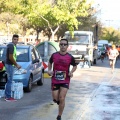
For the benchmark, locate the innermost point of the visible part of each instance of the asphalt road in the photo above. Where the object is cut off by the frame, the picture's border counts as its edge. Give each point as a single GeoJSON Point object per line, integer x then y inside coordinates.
{"type": "Point", "coordinates": [38, 105]}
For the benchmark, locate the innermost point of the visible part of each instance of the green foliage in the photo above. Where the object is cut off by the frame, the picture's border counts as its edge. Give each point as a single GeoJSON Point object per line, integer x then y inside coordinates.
{"type": "Point", "coordinates": [111, 35]}
{"type": "Point", "coordinates": [47, 14]}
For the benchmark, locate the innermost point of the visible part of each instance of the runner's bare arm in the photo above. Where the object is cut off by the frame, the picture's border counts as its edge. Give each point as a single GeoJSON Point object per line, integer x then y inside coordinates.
{"type": "Point", "coordinates": [73, 70]}
{"type": "Point", "coordinates": [49, 69]}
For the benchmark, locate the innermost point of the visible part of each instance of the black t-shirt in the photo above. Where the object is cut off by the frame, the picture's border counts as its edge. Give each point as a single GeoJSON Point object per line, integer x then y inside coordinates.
{"type": "Point", "coordinates": [10, 50]}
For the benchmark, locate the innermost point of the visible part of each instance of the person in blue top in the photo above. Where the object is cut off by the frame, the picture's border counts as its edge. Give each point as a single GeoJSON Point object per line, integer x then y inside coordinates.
{"type": "Point", "coordinates": [103, 49]}
{"type": "Point", "coordinates": [10, 63]}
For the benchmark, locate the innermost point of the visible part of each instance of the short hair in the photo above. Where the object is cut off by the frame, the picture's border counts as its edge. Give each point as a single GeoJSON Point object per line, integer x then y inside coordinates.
{"type": "Point", "coordinates": [64, 40]}
{"type": "Point", "coordinates": [15, 35]}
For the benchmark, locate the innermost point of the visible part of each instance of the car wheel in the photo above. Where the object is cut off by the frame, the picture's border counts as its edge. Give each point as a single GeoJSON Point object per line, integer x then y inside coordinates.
{"type": "Point", "coordinates": [40, 81]}
{"type": "Point", "coordinates": [29, 87]}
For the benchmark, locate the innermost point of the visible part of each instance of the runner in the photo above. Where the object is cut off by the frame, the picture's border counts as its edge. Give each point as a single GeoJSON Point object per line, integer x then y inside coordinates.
{"type": "Point", "coordinates": [112, 54]}
{"type": "Point", "coordinates": [61, 75]}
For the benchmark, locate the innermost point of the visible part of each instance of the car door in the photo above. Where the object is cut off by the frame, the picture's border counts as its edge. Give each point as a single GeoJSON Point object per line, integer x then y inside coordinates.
{"type": "Point", "coordinates": [34, 64]}
{"type": "Point", "coordinates": [39, 65]}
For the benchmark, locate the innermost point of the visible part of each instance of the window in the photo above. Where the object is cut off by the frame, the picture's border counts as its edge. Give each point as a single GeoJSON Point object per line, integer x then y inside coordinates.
{"type": "Point", "coordinates": [22, 55]}
{"type": "Point", "coordinates": [78, 38]}
{"type": "Point", "coordinates": [33, 54]}
{"type": "Point", "coordinates": [37, 54]}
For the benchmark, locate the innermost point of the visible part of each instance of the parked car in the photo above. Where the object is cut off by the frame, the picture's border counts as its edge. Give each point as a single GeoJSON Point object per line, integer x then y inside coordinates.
{"type": "Point", "coordinates": [31, 65]}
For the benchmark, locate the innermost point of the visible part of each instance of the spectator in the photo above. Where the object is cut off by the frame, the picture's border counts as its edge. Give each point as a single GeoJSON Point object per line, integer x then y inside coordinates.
{"type": "Point", "coordinates": [10, 63]}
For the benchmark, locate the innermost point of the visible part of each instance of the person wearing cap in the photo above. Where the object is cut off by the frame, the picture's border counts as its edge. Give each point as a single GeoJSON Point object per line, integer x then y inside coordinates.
{"type": "Point", "coordinates": [112, 54]}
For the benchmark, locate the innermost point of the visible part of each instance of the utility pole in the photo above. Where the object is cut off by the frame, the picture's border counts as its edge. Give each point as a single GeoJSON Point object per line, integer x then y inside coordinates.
{"type": "Point", "coordinates": [96, 32]}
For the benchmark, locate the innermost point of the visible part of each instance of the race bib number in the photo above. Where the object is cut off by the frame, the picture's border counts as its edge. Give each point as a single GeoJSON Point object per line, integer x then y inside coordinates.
{"type": "Point", "coordinates": [112, 57]}
{"type": "Point", "coordinates": [60, 75]}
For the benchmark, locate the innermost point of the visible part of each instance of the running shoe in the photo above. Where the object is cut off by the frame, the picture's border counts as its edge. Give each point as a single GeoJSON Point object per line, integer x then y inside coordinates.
{"type": "Point", "coordinates": [10, 99]}
{"type": "Point", "coordinates": [58, 117]}
{"type": "Point", "coordinates": [58, 102]}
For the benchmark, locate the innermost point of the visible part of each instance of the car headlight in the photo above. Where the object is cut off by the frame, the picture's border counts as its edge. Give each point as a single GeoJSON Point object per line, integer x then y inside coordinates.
{"type": "Point", "coordinates": [20, 71]}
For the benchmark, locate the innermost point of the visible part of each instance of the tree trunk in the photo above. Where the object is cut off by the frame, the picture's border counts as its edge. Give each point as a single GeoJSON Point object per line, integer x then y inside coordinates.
{"type": "Point", "coordinates": [37, 34]}
{"type": "Point", "coordinates": [53, 35]}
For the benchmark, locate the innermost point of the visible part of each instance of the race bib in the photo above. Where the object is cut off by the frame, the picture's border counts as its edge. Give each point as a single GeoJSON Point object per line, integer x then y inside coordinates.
{"type": "Point", "coordinates": [112, 57]}
{"type": "Point", "coordinates": [60, 75]}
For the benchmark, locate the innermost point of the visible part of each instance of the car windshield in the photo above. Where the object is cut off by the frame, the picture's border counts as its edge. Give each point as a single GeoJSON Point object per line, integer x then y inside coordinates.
{"type": "Point", "coordinates": [78, 39]}
{"type": "Point", "coordinates": [22, 54]}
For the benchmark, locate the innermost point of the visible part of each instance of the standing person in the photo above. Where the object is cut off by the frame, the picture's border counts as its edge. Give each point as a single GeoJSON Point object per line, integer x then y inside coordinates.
{"type": "Point", "coordinates": [61, 75]}
{"type": "Point", "coordinates": [95, 54]}
{"type": "Point", "coordinates": [112, 54]}
{"type": "Point", "coordinates": [10, 63]}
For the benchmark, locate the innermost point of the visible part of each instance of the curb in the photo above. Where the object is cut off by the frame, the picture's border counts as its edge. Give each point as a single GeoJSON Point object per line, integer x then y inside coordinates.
{"type": "Point", "coordinates": [46, 75]}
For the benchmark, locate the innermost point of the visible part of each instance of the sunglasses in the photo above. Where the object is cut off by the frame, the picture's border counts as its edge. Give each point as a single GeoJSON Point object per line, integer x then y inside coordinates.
{"type": "Point", "coordinates": [15, 39]}
{"type": "Point", "coordinates": [63, 44]}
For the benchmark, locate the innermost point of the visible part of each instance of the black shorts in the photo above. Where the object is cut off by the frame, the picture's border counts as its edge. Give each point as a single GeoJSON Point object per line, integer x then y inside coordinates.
{"type": "Point", "coordinates": [110, 59]}
{"type": "Point", "coordinates": [57, 86]}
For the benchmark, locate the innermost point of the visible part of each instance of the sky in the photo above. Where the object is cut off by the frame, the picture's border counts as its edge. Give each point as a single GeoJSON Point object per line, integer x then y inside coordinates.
{"type": "Point", "coordinates": [108, 12]}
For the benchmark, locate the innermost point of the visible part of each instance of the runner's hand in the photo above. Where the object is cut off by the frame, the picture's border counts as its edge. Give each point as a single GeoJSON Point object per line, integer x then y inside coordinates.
{"type": "Point", "coordinates": [70, 74]}
{"type": "Point", "coordinates": [50, 73]}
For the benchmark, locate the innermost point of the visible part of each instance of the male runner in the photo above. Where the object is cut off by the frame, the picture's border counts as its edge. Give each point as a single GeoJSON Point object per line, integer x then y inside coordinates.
{"type": "Point", "coordinates": [61, 74]}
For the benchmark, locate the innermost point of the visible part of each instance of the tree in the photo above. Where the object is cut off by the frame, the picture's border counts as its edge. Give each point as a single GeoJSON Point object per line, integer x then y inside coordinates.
{"type": "Point", "coordinates": [110, 34]}
{"type": "Point", "coordinates": [61, 12]}
{"type": "Point", "coordinates": [7, 22]}
{"type": "Point", "coordinates": [61, 31]}
{"type": "Point", "coordinates": [50, 15]}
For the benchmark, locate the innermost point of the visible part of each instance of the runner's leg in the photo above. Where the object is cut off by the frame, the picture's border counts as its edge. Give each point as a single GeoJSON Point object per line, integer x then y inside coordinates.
{"type": "Point", "coordinates": [62, 95]}
{"type": "Point", "coordinates": [113, 64]}
{"type": "Point", "coordinates": [55, 92]}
